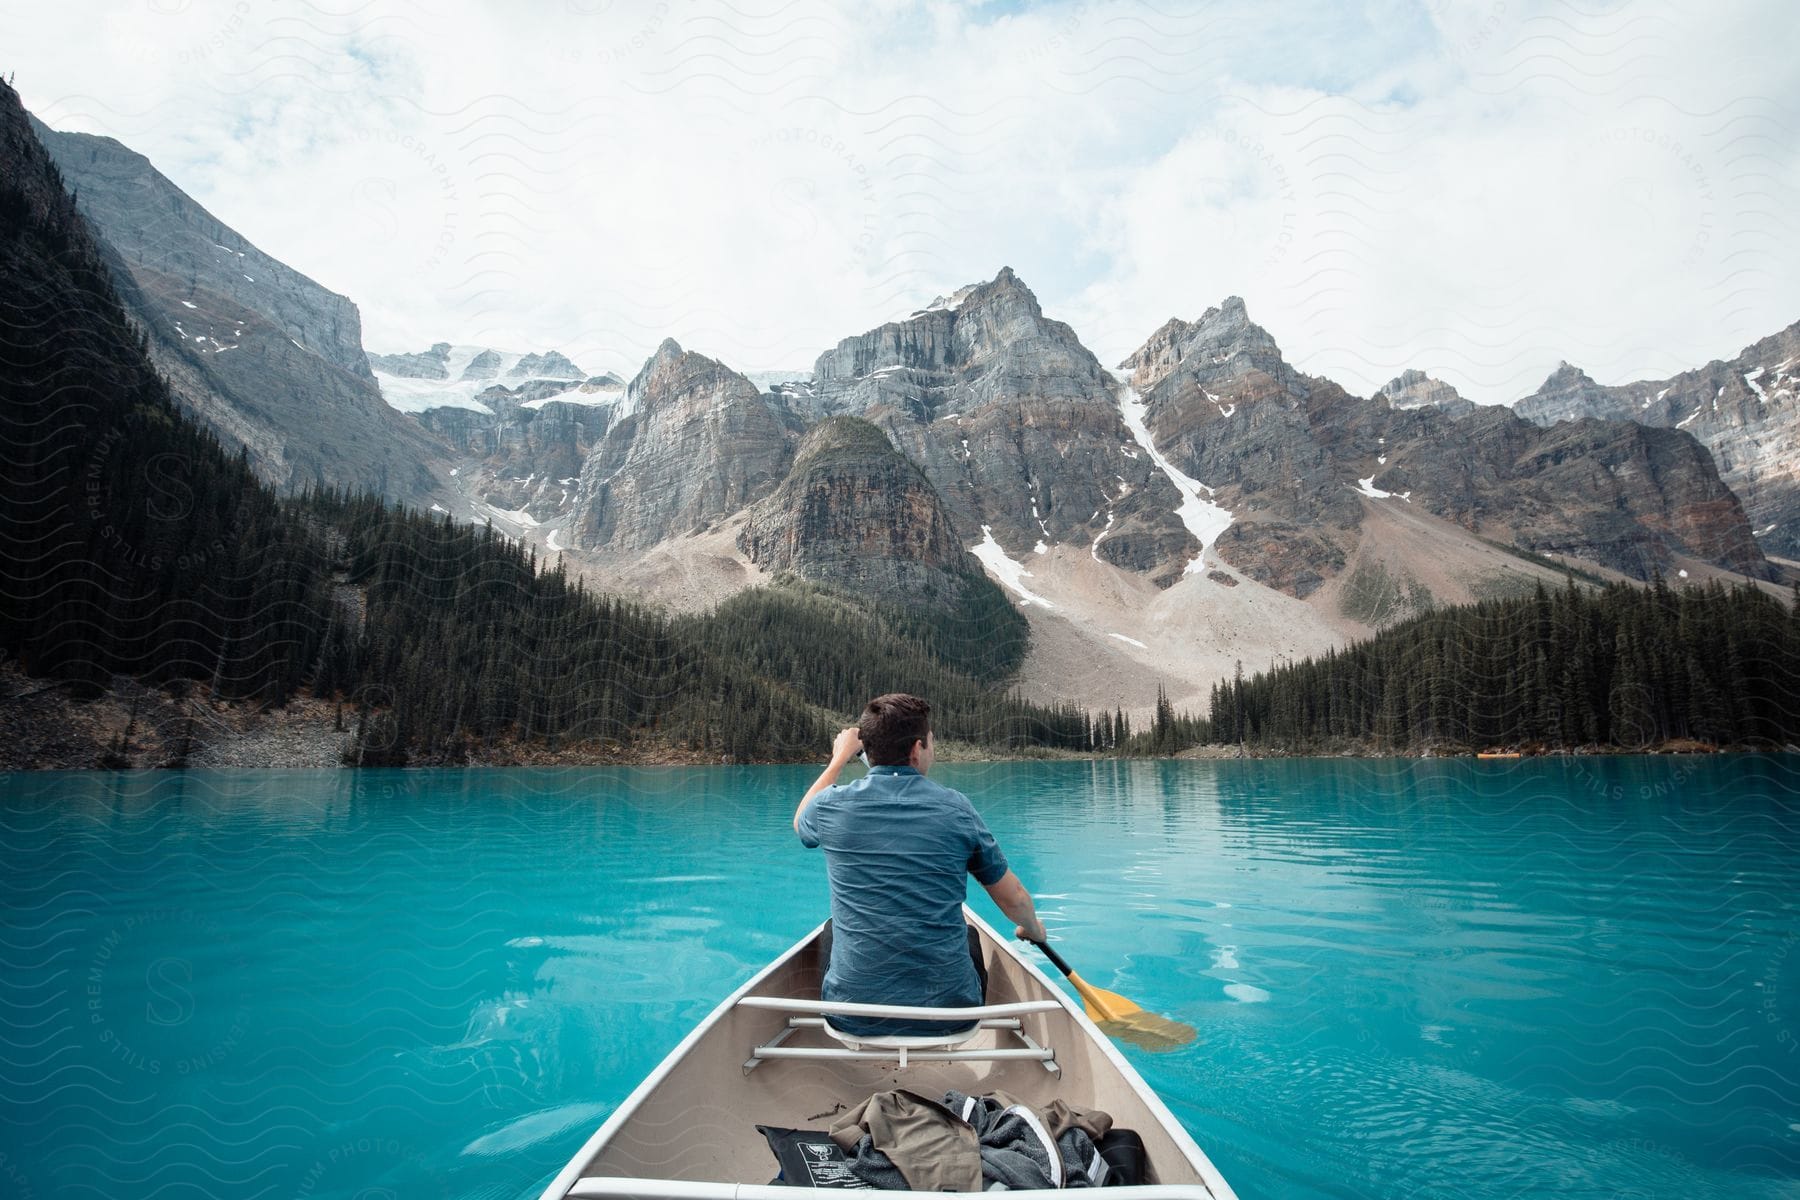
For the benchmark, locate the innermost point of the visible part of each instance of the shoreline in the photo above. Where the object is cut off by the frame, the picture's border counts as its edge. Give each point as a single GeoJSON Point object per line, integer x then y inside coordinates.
{"type": "Point", "coordinates": [136, 727]}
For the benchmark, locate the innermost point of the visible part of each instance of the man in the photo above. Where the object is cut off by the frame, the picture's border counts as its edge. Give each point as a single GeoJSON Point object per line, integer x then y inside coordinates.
{"type": "Point", "coordinates": [897, 849]}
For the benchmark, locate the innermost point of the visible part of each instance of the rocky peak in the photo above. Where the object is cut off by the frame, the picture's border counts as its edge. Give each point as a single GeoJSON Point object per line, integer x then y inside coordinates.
{"type": "Point", "coordinates": [673, 375]}
{"type": "Point", "coordinates": [1011, 418]}
{"type": "Point", "coordinates": [997, 319]}
{"type": "Point", "coordinates": [1413, 388]}
{"type": "Point", "coordinates": [485, 365]}
{"type": "Point", "coordinates": [693, 441]}
{"type": "Point", "coordinates": [550, 365]}
{"type": "Point", "coordinates": [1223, 345]}
{"type": "Point", "coordinates": [1569, 393]}
{"type": "Point", "coordinates": [428, 364]}
{"type": "Point", "coordinates": [1159, 355]}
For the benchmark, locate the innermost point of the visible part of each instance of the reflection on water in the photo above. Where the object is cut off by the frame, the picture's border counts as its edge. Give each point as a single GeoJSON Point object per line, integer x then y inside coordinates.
{"type": "Point", "coordinates": [1408, 978]}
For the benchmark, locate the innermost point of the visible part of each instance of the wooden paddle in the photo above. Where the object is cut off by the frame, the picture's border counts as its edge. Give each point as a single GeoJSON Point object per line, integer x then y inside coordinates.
{"type": "Point", "coordinates": [1121, 1018]}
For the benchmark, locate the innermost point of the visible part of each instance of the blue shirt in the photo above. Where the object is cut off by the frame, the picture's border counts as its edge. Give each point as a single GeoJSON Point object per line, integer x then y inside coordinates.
{"type": "Point", "coordinates": [898, 849]}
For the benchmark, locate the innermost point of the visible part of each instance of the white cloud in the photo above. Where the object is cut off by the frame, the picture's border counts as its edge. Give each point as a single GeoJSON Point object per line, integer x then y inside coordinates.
{"type": "Point", "coordinates": [1476, 189]}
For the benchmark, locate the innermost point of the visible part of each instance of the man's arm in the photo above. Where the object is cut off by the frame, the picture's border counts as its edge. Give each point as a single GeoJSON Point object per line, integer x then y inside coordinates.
{"type": "Point", "coordinates": [847, 747]}
{"type": "Point", "coordinates": [1016, 903]}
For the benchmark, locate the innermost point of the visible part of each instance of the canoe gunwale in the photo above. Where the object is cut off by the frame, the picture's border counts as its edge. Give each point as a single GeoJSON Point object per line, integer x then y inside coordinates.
{"type": "Point", "coordinates": [567, 1177]}
{"type": "Point", "coordinates": [608, 1187]}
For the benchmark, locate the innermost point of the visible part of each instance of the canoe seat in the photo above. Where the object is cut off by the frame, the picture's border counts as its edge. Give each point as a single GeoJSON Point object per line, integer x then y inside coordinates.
{"type": "Point", "coordinates": [911, 1041]}
{"type": "Point", "coordinates": [931, 1047]}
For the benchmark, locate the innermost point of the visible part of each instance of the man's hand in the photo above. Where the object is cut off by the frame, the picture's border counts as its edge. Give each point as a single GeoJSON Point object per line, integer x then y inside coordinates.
{"type": "Point", "coordinates": [847, 746]}
{"type": "Point", "coordinates": [1040, 936]}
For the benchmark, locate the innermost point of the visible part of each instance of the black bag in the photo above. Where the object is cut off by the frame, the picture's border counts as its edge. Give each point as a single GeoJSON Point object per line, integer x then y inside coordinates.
{"type": "Point", "coordinates": [1123, 1152]}
{"type": "Point", "coordinates": [809, 1158]}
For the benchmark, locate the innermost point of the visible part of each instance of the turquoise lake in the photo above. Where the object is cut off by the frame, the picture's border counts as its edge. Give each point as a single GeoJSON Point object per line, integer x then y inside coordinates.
{"type": "Point", "coordinates": [1577, 978]}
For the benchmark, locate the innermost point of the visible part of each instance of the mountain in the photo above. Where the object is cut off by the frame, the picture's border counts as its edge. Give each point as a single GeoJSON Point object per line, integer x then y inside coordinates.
{"type": "Point", "coordinates": [263, 355]}
{"type": "Point", "coordinates": [1013, 421]}
{"type": "Point", "coordinates": [691, 442]}
{"type": "Point", "coordinates": [1293, 459]}
{"type": "Point", "coordinates": [521, 424]}
{"type": "Point", "coordinates": [1415, 389]}
{"type": "Point", "coordinates": [1743, 410]}
{"type": "Point", "coordinates": [854, 513]}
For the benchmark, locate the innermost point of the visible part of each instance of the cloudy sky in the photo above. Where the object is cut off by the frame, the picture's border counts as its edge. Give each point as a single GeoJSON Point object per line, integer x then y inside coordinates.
{"type": "Point", "coordinates": [1479, 189]}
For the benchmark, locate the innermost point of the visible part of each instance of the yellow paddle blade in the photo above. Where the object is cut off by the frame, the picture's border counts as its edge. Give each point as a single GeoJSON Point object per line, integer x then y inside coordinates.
{"type": "Point", "coordinates": [1120, 1018]}
{"type": "Point", "coordinates": [1101, 1004]}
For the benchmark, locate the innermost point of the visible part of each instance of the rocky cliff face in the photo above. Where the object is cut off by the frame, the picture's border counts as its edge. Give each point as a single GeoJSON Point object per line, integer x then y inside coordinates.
{"type": "Point", "coordinates": [268, 358]}
{"type": "Point", "coordinates": [853, 512]}
{"type": "Point", "coordinates": [1295, 458]}
{"type": "Point", "coordinates": [1225, 407]}
{"type": "Point", "coordinates": [1013, 421]}
{"type": "Point", "coordinates": [692, 442]}
{"type": "Point", "coordinates": [1744, 411]}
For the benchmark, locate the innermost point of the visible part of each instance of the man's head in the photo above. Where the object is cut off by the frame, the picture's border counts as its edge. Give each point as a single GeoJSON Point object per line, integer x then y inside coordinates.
{"type": "Point", "coordinates": [891, 726]}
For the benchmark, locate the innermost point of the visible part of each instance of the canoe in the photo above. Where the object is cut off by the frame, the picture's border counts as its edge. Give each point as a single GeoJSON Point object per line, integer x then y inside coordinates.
{"type": "Point", "coordinates": [763, 1057]}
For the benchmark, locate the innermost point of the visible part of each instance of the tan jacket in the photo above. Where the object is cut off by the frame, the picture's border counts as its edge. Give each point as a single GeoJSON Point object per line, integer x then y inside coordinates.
{"type": "Point", "coordinates": [934, 1148]}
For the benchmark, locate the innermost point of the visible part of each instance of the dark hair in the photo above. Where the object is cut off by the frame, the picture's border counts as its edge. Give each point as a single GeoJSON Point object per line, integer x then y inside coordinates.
{"type": "Point", "coordinates": [890, 726]}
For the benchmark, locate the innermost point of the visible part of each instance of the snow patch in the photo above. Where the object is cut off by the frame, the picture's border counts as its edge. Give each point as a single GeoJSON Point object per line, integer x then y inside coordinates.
{"type": "Point", "coordinates": [1130, 640]}
{"type": "Point", "coordinates": [993, 557]}
{"type": "Point", "coordinates": [1688, 418]}
{"type": "Point", "coordinates": [1661, 394]}
{"type": "Point", "coordinates": [1204, 519]}
{"type": "Point", "coordinates": [514, 516]}
{"type": "Point", "coordinates": [1750, 377]}
{"type": "Point", "coordinates": [1102, 537]}
{"type": "Point", "coordinates": [1682, 573]}
{"type": "Point", "coordinates": [1380, 459]}
{"type": "Point", "coordinates": [189, 304]}
{"type": "Point", "coordinates": [550, 542]}
{"type": "Point", "coordinates": [576, 394]}
{"type": "Point", "coordinates": [439, 508]}
{"type": "Point", "coordinates": [1367, 487]}
{"type": "Point", "coordinates": [1040, 548]}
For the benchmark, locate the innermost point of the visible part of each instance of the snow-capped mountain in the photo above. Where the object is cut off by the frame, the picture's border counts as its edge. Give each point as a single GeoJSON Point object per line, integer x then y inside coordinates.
{"type": "Point", "coordinates": [450, 376]}
{"type": "Point", "coordinates": [521, 423]}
